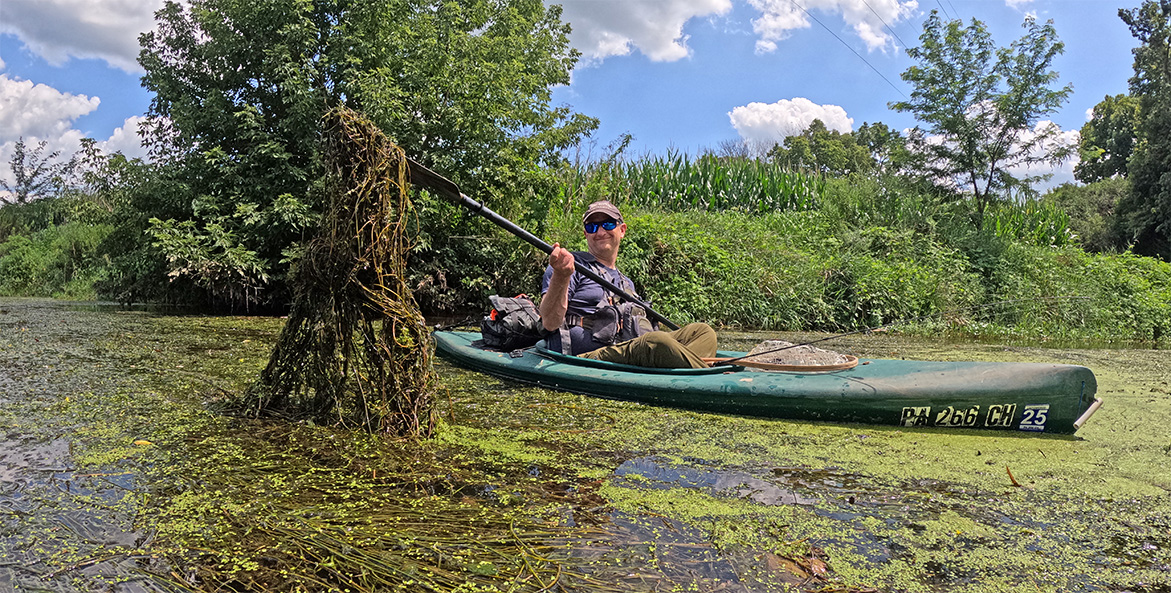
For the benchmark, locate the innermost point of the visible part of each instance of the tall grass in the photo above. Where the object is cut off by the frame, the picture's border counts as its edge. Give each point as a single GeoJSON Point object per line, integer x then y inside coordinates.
{"type": "Point", "coordinates": [744, 243]}
{"type": "Point", "coordinates": [677, 183]}
{"type": "Point", "coordinates": [1032, 223]}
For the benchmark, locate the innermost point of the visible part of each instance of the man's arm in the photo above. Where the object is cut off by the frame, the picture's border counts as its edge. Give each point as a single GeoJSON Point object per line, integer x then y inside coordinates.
{"type": "Point", "coordinates": [555, 301]}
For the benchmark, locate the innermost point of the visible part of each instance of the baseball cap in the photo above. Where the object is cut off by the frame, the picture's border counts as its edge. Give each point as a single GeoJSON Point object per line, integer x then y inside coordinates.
{"type": "Point", "coordinates": [602, 207]}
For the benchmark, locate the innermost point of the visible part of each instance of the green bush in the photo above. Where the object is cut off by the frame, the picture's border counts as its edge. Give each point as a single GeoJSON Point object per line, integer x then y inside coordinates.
{"type": "Point", "coordinates": [870, 254]}
{"type": "Point", "coordinates": [58, 261]}
{"type": "Point", "coordinates": [1091, 209]}
{"type": "Point", "coordinates": [22, 266]}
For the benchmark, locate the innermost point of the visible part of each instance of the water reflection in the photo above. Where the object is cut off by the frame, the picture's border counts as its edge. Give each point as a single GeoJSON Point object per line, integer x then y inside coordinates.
{"type": "Point", "coordinates": [60, 530]}
{"type": "Point", "coordinates": [655, 473]}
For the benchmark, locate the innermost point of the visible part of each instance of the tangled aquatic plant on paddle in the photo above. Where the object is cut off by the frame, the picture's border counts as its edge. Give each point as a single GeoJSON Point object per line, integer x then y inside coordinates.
{"type": "Point", "coordinates": [355, 350]}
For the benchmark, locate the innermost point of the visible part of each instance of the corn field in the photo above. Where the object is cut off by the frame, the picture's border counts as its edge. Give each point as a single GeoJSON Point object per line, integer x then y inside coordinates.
{"type": "Point", "coordinates": [1033, 223]}
{"type": "Point", "coordinates": [677, 183]}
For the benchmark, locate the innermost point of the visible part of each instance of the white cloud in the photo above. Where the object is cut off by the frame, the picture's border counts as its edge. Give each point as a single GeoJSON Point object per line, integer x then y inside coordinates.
{"type": "Point", "coordinates": [1017, 4]}
{"type": "Point", "coordinates": [868, 18]}
{"type": "Point", "coordinates": [125, 140]}
{"type": "Point", "coordinates": [768, 123]}
{"type": "Point", "coordinates": [654, 27]}
{"type": "Point", "coordinates": [38, 110]}
{"type": "Point", "coordinates": [58, 30]}
{"type": "Point", "coordinates": [1062, 172]}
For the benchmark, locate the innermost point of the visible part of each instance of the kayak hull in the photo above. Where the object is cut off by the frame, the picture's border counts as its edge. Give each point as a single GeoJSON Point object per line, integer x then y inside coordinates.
{"type": "Point", "coordinates": [1028, 397]}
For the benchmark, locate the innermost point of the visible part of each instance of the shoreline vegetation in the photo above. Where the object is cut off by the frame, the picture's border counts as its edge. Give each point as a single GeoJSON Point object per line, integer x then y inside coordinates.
{"type": "Point", "coordinates": [733, 241]}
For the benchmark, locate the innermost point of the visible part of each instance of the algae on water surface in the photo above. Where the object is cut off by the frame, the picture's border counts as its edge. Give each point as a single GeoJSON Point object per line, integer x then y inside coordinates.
{"type": "Point", "coordinates": [527, 489]}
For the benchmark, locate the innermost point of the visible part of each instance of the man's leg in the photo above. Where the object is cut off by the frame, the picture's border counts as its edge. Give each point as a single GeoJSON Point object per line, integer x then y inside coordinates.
{"type": "Point", "coordinates": [682, 348]}
{"type": "Point", "coordinates": [699, 338]}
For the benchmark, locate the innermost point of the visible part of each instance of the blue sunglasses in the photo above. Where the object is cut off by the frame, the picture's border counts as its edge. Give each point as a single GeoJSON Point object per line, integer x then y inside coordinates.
{"type": "Point", "coordinates": [592, 227]}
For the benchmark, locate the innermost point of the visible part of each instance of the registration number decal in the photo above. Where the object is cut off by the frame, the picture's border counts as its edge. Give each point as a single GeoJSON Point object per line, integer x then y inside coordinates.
{"type": "Point", "coordinates": [951, 417]}
{"type": "Point", "coordinates": [1000, 416]}
{"type": "Point", "coordinates": [916, 416]}
{"type": "Point", "coordinates": [1032, 416]}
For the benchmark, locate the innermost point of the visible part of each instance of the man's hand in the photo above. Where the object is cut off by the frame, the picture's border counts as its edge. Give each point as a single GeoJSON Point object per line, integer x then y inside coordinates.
{"type": "Point", "coordinates": [555, 301]}
{"type": "Point", "coordinates": [562, 261]}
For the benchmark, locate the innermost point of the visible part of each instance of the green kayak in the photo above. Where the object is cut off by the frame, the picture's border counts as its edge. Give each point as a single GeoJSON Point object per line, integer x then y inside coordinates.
{"type": "Point", "coordinates": [1030, 397]}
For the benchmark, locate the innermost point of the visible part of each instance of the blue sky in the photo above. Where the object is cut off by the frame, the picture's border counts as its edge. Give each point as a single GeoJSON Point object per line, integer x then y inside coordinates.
{"type": "Point", "coordinates": [682, 74]}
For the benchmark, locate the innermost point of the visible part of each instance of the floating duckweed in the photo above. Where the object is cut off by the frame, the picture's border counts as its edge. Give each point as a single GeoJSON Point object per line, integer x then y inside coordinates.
{"type": "Point", "coordinates": [528, 489]}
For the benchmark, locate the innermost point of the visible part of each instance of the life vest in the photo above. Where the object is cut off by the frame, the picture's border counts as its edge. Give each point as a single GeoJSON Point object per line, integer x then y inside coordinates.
{"type": "Point", "coordinates": [615, 320]}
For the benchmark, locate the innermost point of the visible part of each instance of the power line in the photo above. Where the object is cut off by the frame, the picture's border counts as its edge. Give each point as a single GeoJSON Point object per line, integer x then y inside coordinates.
{"type": "Point", "coordinates": [843, 42]}
{"type": "Point", "coordinates": [953, 9]}
{"type": "Point", "coordinates": [940, 3]}
{"type": "Point", "coordinates": [888, 27]}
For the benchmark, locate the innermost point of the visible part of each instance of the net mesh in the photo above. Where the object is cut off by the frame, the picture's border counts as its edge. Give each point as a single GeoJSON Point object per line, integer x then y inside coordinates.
{"type": "Point", "coordinates": [787, 353]}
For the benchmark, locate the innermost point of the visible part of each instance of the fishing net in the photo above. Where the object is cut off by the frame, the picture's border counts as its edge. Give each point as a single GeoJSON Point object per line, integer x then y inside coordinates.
{"type": "Point", "coordinates": [786, 353]}
{"type": "Point", "coordinates": [355, 350]}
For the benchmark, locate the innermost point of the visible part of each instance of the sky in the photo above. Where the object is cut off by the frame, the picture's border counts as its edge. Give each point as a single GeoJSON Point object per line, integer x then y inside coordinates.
{"type": "Point", "coordinates": [683, 75]}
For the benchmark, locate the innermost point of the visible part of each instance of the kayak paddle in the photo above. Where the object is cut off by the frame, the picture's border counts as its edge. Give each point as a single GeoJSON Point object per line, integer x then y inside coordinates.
{"type": "Point", "coordinates": [424, 177]}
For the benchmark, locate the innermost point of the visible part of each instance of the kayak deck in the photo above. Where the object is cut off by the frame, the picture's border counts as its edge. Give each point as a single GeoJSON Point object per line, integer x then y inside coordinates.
{"type": "Point", "coordinates": [1030, 397]}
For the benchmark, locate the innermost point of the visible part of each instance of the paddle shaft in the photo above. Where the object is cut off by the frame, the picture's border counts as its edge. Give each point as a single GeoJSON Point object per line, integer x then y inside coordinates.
{"type": "Point", "coordinates": [435, 182]}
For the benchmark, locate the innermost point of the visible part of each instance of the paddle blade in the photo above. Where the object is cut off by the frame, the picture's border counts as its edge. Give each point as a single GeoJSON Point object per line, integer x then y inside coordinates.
{"type": "Point", "coordinates": [438, 184]}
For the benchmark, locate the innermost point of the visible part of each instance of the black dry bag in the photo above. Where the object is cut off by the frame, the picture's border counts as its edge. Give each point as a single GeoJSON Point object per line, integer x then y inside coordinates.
{"type": "Point", "coordinates": [512, 324]}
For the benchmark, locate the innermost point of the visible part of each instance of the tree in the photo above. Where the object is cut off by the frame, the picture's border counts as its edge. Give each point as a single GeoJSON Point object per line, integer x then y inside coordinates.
{"type": "Point", "coordinates": [1145, 214]}
{"type": "Point", "coordinates": [979, 106]}
{"type": "Point", "coordinates": [888, 149]}
{"type": "Point", "coordinates": [823, 150]}
{"type": "Point", "coordinates": [1107, 140]}
{"type": "Point", "coordinates": [240, 89]}
{"type": "Point", "coordinates": [35, 174]}
{"type": "Point", "coordinates": [1091, 209]}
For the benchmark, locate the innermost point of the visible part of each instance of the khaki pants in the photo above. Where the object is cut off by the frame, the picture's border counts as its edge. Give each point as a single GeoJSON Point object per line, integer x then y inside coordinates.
{"type": "Point", "coordinates": [679, 349]}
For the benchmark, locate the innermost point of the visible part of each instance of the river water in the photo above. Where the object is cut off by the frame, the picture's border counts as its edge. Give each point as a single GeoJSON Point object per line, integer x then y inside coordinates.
{"type": "Point", "coordinates": [117, 474]}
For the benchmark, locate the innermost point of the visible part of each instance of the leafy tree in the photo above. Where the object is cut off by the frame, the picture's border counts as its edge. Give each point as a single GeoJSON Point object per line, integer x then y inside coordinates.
{"type": "Point", "coordinates": [79, 189]}
{"type": "Point", "coordinates": [979, 106]}
{"type": "Point", "coordinates": [888, 148]}
{"type": "Point", "coordinates": [53, 245]}
{"type": "Point", "coordinates": [1145, 215]}
{"type": "Point", "coordinates": [733, 149]}
{"type": "Point", "coordinates": [35, 174]}
{"type": "Point", "coordinates": [1108, 139]}
{"type": "Point", "coordinates": [824, 151]}
{"type": "Point", "coordinates": [1092, 211]}
{"type": "Point", "coordinates": [241, 87]}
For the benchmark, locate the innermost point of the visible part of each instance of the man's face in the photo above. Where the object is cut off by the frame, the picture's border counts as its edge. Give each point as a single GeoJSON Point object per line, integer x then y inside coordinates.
{"type": "Point", "coordinates": [604, 240]}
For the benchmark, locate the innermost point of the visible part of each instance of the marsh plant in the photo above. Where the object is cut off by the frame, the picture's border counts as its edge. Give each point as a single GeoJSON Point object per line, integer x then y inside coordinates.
{"type": "Point", "coordinates": [356, 350]}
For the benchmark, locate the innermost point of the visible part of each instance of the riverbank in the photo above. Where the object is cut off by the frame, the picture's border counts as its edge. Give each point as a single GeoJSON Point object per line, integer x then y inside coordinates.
{"type": "Point", "coordinates": [120, 474]}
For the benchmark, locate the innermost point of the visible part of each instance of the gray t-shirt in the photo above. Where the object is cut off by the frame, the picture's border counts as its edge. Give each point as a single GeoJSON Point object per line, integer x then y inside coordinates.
{"type": "Point", "coordinates": [585, 296]}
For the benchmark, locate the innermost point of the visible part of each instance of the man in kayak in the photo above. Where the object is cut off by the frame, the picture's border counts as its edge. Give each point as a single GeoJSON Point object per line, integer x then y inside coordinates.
{"type": "Point", "coordinates": [587, 320]}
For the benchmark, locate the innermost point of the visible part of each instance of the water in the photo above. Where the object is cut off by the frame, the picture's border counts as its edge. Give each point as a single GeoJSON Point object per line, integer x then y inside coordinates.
{"type": "Point", "coordinates": [117, 474]}
{"type": "Point", "coordinates": [62, 528]}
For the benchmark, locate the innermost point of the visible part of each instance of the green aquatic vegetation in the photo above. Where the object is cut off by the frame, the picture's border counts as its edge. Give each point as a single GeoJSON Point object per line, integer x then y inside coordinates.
{"type": "Point", "coordinates": [1052, 526]}
{"type": "Point", "coordinates": [524, 487]}
{"type": "Point", "coordinates": [355, 351]}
